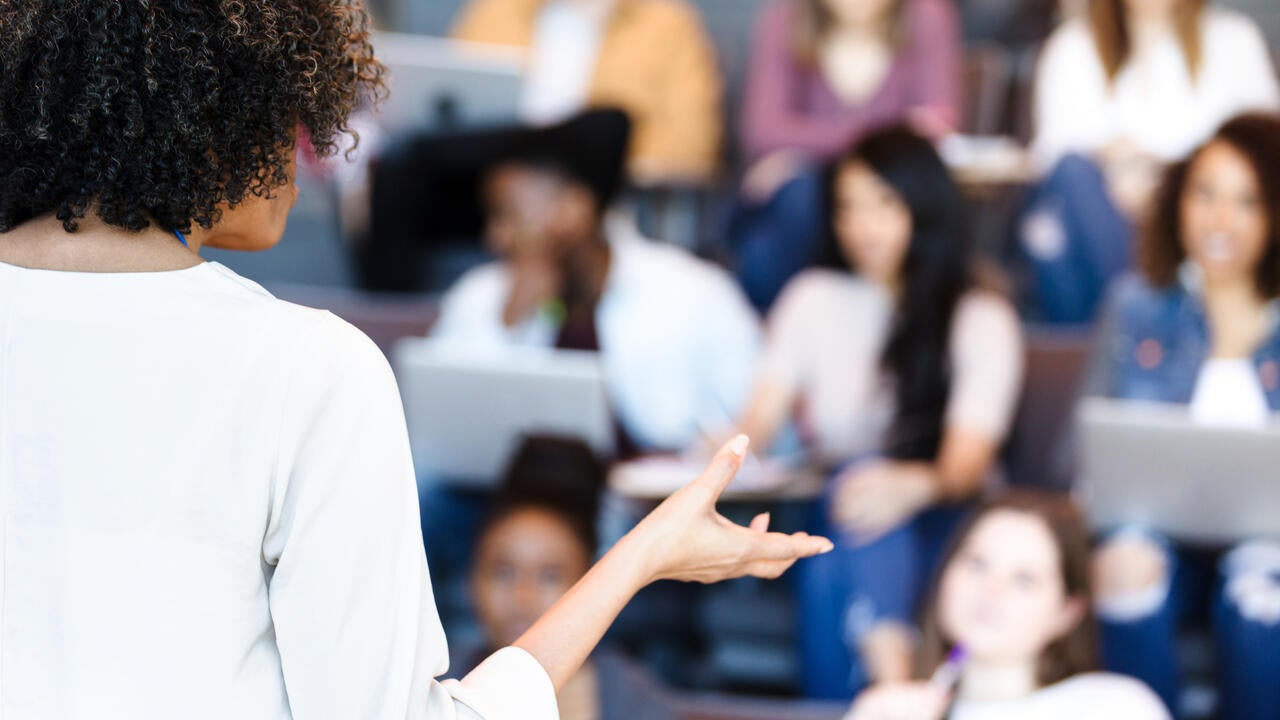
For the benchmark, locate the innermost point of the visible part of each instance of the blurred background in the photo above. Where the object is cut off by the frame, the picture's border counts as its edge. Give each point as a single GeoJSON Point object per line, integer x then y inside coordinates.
{"type": "Point", "coordinates": [923, 251]}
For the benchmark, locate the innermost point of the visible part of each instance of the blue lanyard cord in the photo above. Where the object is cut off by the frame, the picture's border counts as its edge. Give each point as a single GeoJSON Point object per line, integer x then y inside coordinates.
{"type": "Point", "coordinates": [181, 238]}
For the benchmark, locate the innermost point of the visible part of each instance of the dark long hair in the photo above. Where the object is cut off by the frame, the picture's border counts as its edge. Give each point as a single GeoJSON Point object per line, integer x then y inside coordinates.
{"type": "Point", "coordinates": [1074, 653]}
{"type": "Point", "coordinates": [936, 272]}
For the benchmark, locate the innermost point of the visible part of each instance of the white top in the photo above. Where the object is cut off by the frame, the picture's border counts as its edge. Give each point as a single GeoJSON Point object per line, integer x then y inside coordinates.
{"type": "Point", "coordinates": [562, 60]}
{"type": "Point", "coordinates": [827, 335]}
{"type": "Point", "coordinates": [1154, 103]}
{"type": "Point", "coordinates": [1228, 392]}
{"type": "Point", "coordinates": [208, 510]}
{"type": "Point", "coordinates": [678, 340]}
{"type": "Point", "coordinates": [1097, 696]}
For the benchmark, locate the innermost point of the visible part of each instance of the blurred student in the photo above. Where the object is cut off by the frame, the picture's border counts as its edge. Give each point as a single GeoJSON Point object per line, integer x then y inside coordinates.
{"type": "Point", "coordinates": [1120, 92]}
{"type": "Point", "coordinates": [651, 58]}
{"type": "Point", "coordinates": [677, 339]}
{"type": "Point", "coordinates": [1014, 594]}
{"type": "Point", "coordinates": [1199, 326]}
{"type": "Point", "coordinates": [536, 543]}
{"type": "Point", "coordinates": [822, 74]}
{"type": "Point", "coordinates": [901, 369]}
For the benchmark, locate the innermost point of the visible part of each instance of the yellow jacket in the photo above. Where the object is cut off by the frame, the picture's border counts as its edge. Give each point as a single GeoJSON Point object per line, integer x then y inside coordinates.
{"type": "Point", "coordinates": [655, 63]}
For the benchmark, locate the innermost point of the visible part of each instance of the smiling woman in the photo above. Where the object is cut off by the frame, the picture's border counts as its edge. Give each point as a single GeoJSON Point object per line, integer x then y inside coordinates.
{"type": "Point", "coordinates": [207, 502]}
{"type": "Point", "coordinates": [1199, 327]}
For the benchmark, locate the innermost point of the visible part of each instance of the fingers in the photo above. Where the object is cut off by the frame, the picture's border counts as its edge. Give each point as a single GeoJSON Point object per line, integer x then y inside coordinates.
{"type": "Point", "coordinates": [769, 547]}
{"type": "Point", "coordinates": [760, 523]}
{"type": "Point", "coordinates": [724, 466]}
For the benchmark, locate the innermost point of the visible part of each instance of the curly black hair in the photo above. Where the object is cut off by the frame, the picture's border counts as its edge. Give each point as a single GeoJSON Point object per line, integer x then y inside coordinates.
{"type": "Point", "coordinates": [164, 111]}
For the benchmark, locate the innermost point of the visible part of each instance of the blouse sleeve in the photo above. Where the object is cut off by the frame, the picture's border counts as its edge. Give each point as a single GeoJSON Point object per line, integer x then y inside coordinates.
{"type": "Point", "coordinates": [350, 598]}
{"type": "Point", "coordinates": [1254, 69]}
{"type": "Point", "coordinates": [987, 358]}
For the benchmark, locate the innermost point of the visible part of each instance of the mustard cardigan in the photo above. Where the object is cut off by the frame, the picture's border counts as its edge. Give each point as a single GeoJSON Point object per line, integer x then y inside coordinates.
{"type": "Point", "coordinates": [655, 63]}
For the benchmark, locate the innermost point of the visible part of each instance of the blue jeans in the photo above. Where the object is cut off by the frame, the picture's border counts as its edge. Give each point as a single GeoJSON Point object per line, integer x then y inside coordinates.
{"type": "Point", "coordinates": [1075, 241]}
{"type": "Point", "coordinates": [778, 239]}
{"type": "Point", "coordinates": [1248, 647]}
{"type": "Point", "coordinates": [857, 586]}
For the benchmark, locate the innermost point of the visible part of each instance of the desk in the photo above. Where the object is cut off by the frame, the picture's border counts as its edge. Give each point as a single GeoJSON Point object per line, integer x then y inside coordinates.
{"type": "Point", "coordinates": [654, 478]}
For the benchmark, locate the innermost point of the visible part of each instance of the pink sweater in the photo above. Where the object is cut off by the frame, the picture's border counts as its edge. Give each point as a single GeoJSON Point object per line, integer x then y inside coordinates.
{"type": "Point", "coordinates": [788, 106]}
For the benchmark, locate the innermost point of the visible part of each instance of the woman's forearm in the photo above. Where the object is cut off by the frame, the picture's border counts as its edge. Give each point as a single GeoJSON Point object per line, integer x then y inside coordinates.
{"type": "Point", "coordinates": [567, 634]}
{"type": "Point", "coordinates": [683, 539]}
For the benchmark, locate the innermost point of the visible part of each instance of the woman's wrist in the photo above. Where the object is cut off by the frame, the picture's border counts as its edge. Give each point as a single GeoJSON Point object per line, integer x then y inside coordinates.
{"type": "Point", "coordinates": [637, 559]}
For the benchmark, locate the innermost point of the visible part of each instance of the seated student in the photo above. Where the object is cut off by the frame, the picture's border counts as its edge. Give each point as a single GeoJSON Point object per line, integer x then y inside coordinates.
{"type": "Point", "coordinates": [822, 74]}
{"type": "Point", "coordinates": [1013, 596]}
{"type": "Point", "coordinates": [1199, 326]}
{"type": "Point", "coordinates": [651, 58]}
{"type": "Point", "coordinates": [677, 339]}
{"type": "Point", "coordinates": [536, 543]}
{"type": "Point", "coordinates": [1131, 86]}
{"type": "Point", "coordinates": [900, 366]}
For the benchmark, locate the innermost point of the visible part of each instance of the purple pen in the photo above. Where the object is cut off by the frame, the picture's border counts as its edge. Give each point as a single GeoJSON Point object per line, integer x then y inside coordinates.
{"type": "Point", "coordinates": [948, 673]}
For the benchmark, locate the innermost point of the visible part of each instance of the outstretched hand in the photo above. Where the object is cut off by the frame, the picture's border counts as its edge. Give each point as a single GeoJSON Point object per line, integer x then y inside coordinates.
{"type": "Point", "coordinates": [685, 538]}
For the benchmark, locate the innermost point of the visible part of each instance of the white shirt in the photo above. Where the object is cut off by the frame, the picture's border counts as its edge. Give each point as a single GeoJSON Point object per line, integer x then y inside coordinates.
{"type": "Point", "coordinates": [1097, 696]}
{"type": "Point", "coordinates": [1228, 392]}
{"type": "Point", "coordinates": [678, 340]}
{"type": "Point", "coordinates": [208, 510]}
{"type": "Point", "coordinates": [562, 60]}
{"type": "Point", "coordinates": [1154, 102]}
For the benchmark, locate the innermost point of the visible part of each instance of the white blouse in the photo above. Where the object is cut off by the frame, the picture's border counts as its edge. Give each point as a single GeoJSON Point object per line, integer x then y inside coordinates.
{"type": "Point", "coordinates": [1154, 101]}
{"type": "Point", "coordinates": [1097, 696]}
{"type": "Point", "coordinates": [208, 510]}
{"type": "Point", "coordinates": [1228, 392]}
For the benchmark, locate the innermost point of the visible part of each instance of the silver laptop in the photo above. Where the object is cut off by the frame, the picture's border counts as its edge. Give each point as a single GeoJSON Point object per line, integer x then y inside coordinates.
{"type": "Point", "coordinates": [440, 85]}
{"type": "Point", "coordinates": [1151, 465]}
{"type": "Point", "coordinates": [468, 409]}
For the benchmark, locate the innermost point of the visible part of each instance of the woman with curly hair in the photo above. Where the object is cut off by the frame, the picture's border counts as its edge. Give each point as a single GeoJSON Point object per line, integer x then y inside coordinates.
{"type": "Point", "coordinates": [207, 503]}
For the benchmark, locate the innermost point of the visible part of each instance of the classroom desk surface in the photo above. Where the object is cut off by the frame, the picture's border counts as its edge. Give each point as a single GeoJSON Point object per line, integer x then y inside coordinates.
{"type": "Point", "coordinates": [654, 478]}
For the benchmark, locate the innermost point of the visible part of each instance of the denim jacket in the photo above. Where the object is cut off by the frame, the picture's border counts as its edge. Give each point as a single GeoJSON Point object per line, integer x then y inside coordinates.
{"type": "Point", "coordinates": [1152, 342]}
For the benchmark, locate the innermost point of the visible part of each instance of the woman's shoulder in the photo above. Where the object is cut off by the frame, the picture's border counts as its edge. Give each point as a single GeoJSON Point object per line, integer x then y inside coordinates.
{"type": "Point", "coordinates": [1225, 24]}
{"type": "Point", "coordinates": [1133, 296]}
{"type": "Point", "coordinates": [986, 307]}
{"type": "Point", "coordinates": [777, 15]}
{"type": "Point", "coordinates": [1070, 41]}
{"type": "Point", "coordinates": [310, 338]}
{"type": "Point", "coordinates": [1228, 33]}
{"type": "Point", "coordinates": [667, 15]}
{"type": "Point", "coordinates": [929, 14]}
{"type": "Point", "coordinates": [825, 285]}
{"type": "Point", "coordinates": [1106, 695]}
{"type": "Point", "coordinates": [818, 295]}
